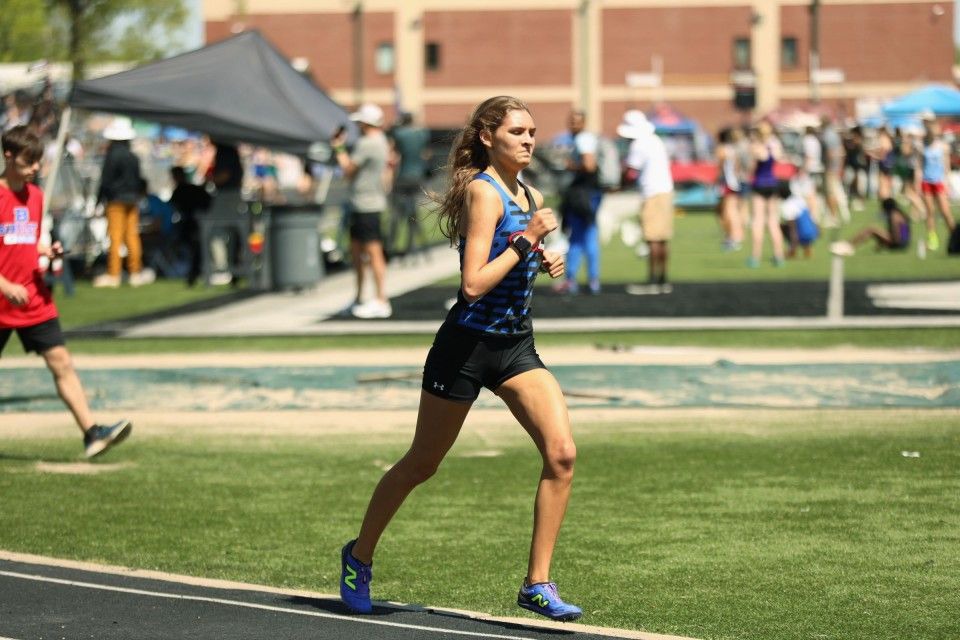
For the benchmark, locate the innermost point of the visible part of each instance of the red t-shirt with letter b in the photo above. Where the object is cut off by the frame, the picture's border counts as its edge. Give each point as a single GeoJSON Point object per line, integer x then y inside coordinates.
{"type": "Point", "coordinates": [20, 215]}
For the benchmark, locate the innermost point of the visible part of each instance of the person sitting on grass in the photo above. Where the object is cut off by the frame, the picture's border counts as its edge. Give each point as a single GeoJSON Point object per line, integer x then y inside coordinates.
{"type": "Point", "coordinates": [797, 225]}
{"type": "Point", "coordinates": [895, 236]}
{"type": "Point", "coordinates": [26, 305]}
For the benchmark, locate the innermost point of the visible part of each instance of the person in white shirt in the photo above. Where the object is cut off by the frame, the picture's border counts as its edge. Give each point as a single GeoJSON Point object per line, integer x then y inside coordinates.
{"type": "Point", "coordinates": [813, 168]}
{"type": "Point", "coordinates": [647, 157]}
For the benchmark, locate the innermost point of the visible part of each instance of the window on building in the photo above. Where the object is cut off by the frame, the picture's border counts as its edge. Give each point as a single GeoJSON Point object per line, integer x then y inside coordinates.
{"type": "Point", "coordinates": [788, 53]}
{"type": "Point", "coordinates": [432, 56]}
{"type": "Point", "coordinates": [741, 53]}
{"type": "Point", "coordinates": [383, 59]}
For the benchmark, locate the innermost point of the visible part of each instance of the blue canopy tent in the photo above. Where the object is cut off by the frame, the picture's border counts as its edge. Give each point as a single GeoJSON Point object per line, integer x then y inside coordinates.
{"type": "Point", "coordinates": [941, 99]}
{"type": "Point", "coordinates": [894, 122]}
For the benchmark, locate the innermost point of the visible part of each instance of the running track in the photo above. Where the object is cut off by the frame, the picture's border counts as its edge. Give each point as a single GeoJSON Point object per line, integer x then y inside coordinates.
{"type": "Point", "coordinates": [49, 599]}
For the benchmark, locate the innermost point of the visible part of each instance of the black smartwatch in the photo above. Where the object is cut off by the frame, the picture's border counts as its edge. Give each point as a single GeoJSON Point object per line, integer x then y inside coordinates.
{"type": "Point", "coordinates": [522, 246]}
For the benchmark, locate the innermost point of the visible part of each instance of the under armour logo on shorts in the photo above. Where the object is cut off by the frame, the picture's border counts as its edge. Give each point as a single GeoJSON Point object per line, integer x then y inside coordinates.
{"type": "Point", "coordinates": [437, 385]}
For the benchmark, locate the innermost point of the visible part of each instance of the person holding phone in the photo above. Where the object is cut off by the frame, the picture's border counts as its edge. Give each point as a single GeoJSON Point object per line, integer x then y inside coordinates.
{"type": "Point", "coordinates": [366, 168]}
{"type": "Point", "coordinates": [487, 341]}
{"type": "Point", "coordinates": [26, 306]}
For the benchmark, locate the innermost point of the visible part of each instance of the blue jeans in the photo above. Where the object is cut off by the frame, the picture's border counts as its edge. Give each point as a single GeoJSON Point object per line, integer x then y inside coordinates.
{"type": "Point", "coordinates": [585, 239]}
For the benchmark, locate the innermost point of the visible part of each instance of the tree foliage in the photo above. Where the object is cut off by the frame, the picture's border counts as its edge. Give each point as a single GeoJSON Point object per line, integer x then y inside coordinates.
{"type": "Point", "coordinates": [23, 31]}
{"type": "Point", "coordinates": [85, 31]}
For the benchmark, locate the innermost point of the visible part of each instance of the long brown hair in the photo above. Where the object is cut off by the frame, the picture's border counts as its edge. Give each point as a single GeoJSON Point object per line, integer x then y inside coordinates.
{"type": "Point", "coordinates": [468, 157]}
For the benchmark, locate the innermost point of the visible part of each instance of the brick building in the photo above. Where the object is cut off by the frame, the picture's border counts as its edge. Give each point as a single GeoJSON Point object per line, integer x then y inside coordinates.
{"type": "Point", "coordinates": [443, 56]}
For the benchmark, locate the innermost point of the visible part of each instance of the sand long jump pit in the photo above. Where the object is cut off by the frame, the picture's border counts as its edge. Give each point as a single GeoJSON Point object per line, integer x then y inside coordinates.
{"type": "Point", "coordinates": [242, 390]}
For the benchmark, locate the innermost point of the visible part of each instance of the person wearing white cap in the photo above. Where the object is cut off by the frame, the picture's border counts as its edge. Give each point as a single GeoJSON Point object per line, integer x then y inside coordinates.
{"type": "Point", "coordinates": [121, 187]}
{"type": "Point", "coordinates": [365, 168]}
{"type": "Point", "coordinates": [648, 157]}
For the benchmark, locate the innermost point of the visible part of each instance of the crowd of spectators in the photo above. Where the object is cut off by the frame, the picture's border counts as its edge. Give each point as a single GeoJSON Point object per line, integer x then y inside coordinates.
{"type": "Point", "coordinates": [779, 187]}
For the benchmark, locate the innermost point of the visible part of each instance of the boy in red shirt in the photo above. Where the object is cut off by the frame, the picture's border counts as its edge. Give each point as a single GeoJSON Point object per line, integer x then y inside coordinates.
{"type": "Point", "coordinates": [26, 305]}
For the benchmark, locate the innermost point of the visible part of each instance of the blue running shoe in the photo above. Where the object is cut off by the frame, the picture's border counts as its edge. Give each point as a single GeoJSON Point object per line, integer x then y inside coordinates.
{"type": "Point", "coordinates": [355, 580]}
{"type": "Point", "coordinates": [543, 598]}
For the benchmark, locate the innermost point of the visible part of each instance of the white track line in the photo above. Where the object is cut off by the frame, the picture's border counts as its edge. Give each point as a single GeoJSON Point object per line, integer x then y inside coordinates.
{"type": "Point", "coordinates": [249, 605]}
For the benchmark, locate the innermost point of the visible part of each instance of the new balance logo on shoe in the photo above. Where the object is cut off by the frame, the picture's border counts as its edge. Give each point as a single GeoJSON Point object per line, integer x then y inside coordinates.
{"type": "Point", "coordinates": [355, 578]}
{"type": "Point", "coordinates": [540, 600]}
{"type": "Point", "coordinates": [351, 577]}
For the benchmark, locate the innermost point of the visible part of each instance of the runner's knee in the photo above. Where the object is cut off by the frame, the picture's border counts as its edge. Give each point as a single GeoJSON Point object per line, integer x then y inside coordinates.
{"type": "Point", "coordinates": [559, 458]}
{"type": "Point", "coordinates": [58, 361]}
{"type": "Point", "coordinates": [417, 471]}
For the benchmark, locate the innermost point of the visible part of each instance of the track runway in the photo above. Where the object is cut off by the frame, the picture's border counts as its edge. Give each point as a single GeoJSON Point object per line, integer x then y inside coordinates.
{"type": "Point", "coordinates": [46, 599]}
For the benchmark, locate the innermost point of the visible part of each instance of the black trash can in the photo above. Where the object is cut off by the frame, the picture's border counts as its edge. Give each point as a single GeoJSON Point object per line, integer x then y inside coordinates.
{"type": "Point", "coordinates": [294, 241]}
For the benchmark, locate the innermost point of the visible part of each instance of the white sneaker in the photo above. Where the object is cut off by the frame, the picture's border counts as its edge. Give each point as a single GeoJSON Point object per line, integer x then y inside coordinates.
{"type": "Point", "coordinates": [842, 248]}
{"type": "Point", "coordinates": [221, 278]}
{"type": "Point", "coordinates": [372, 309]}
{"type": "Point", "coordinates": [105, 280]}
{"type": "Point", "coordinates": [645, 289]}
{"type": "Point", "coordinates": [146, 276]}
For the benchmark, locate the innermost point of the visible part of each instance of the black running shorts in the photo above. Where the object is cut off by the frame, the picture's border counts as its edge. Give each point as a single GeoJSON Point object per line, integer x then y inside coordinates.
{"type": "Point", "coordinates": [38, 338]}
{"type": "Point", "coordinates": [460, 362]}
{"type": "Point", "coordinates": [766, 192]}
{"type": "Point", "coordinates": [365, 227]}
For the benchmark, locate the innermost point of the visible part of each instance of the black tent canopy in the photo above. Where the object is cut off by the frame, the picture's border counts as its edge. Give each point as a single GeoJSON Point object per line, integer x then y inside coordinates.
{"type": "Point", "coordinates": [236, 90]}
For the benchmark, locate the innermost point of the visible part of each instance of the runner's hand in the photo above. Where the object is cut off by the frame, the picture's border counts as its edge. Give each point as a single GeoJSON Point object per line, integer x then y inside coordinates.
{"type": "Point", "coordinates": [15, 294]}
{"type": "Point", "coordinates": [541, 223]}
{"type": "Point", "coordinates": [553, 264]}
{"type": "Point", "coordinates": [53, 251]}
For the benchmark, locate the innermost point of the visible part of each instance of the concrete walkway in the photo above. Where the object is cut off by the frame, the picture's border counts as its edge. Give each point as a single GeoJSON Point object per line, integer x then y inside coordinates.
{"type": "Point", "coordinates": [289, 313]}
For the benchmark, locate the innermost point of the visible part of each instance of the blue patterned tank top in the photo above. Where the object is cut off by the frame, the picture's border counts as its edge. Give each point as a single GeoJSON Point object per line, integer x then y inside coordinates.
{"type": "Point", "coordinates": [505, 309]}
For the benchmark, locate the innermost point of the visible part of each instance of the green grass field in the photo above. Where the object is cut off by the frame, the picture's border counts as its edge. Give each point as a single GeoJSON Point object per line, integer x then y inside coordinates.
{"type": "Point", "coordinates": [721, 525]}
{"type": "Point", "coordinates": [92, 306]}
